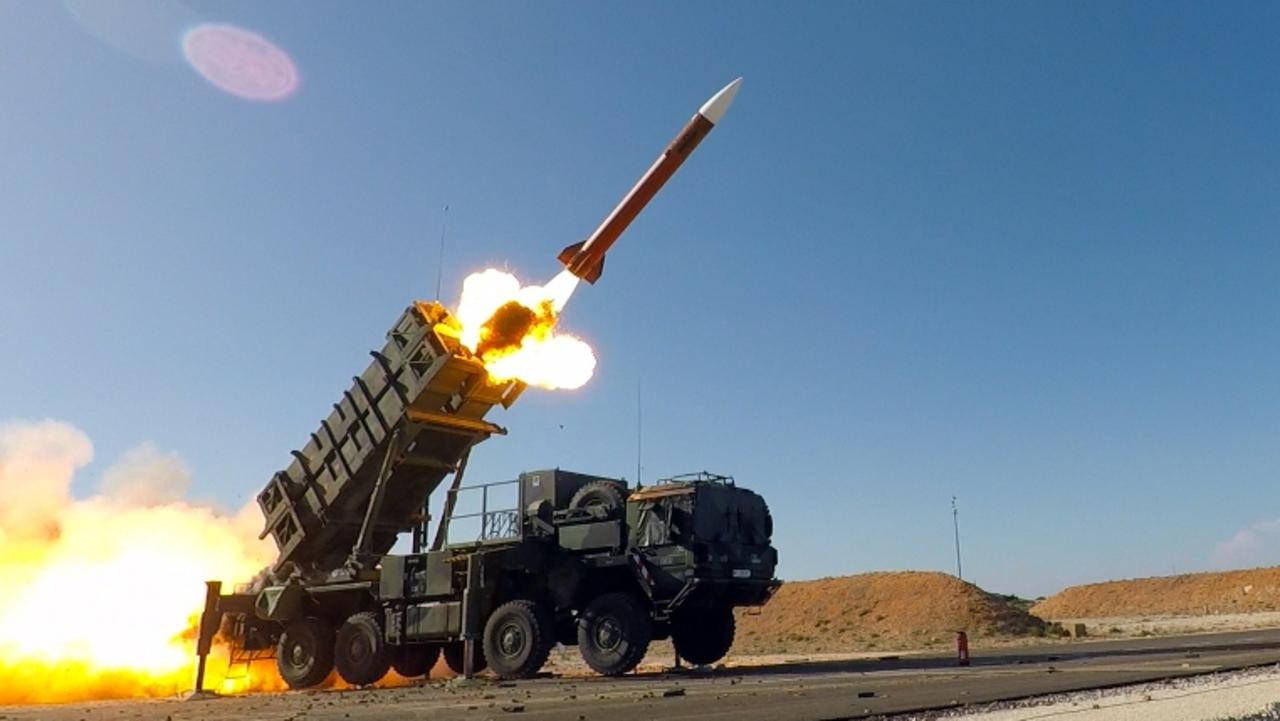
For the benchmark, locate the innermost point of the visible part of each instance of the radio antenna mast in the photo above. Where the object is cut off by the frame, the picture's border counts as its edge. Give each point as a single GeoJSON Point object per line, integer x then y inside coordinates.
{"type": "Point", "coordinates": [955, 522]}
{"type": "Point", "coordinates": [444, 224]}
{"type": "Point", "coordinates": [639, 431]}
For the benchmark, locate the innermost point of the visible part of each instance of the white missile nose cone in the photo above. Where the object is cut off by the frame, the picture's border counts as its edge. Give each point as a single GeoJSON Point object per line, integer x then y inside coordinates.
{"type": "Point", "coordinates": [718, 105]}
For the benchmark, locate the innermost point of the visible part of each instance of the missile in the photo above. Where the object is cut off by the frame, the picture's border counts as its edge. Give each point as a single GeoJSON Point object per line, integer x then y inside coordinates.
{"type": "Point", "coordinates": [586, 259]}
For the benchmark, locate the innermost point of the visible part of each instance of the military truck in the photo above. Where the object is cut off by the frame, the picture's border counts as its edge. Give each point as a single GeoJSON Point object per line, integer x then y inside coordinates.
{"type": "Point", "coordinates": [514, 567]}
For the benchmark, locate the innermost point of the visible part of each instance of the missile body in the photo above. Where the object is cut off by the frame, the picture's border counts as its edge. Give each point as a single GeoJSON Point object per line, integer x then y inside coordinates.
{"type": "Point", "coordinates": [586, 259]}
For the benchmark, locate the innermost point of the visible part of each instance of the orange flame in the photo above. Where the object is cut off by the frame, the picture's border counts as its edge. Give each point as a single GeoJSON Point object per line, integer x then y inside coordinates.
{"type": "Point", "coordinates": [100, 596]}
{"type": "Point", "coordinates": [512, 329]}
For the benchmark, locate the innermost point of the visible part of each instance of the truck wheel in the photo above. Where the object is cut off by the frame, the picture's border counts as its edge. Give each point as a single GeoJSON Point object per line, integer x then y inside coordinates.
{"type": "Point", "coordinates": [362, 655]}
{"type": "Point", "coordinates": [454, 657]}
{"type": "Point", "coordinates": [518, 638]}
{"type": "Point", "coordinates": [598, 494]}
{"type": "Point", "coordinates": [415, 660]}
{"type": "Point", "coordinates": [703, 637]}
{"type": "Point", "coordinates": [304, 655]}
{"type": "Point", "coordinates": [613, 633]}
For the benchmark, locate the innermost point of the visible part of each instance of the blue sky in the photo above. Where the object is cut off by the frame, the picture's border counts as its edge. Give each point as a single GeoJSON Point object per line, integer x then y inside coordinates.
{"type": "Point", "coordinates": [1021, 253]}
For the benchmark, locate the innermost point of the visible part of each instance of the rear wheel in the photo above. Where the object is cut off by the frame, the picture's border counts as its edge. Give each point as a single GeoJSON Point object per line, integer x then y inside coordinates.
{"type": "Point", "coordinates": [518, 638]}
{"type": "Point", "coordinates": [362, 655]}
{"type": "Point", "coordinates": [613, 633]}
{"type": "Point", "coordinates": [304, 654]}
{"type": "Point", "coordinates": [703, 636]}
{"type": "Point", "coordinates": [454, 657]}
{"type": "Point", "coordinates": [415, 660]}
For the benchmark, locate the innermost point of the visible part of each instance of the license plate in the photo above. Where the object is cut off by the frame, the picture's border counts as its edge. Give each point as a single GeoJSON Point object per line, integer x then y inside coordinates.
{"type": "Point", "coordinates": [742, 573]}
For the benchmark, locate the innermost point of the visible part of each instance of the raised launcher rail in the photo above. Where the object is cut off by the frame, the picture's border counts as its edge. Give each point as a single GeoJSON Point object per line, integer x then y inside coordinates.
{"type": "Point", "coordinates": [405, 424]}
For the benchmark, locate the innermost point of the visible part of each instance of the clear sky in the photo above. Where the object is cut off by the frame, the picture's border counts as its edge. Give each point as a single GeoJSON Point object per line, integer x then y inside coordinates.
{"type": "Point", "coordinates": [1022, 253]}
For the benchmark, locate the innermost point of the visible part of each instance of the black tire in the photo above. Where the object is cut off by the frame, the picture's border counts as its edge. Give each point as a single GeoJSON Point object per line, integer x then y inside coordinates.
{"type": "Point", "coordinates": [362, 655]}
{"type": "Point", "coordinates": [518, 638]}
{"type": "Point", "coordinates": [703, 636]}
{"type": "Point", "coordinates": [415, 660]}
{"type": "Point", "coordinates": [304, 654]}
{"type": "Point", "coordinates": [614, 631]}
{"type": "Point", "coordinates": [598, 494]}
{"type": "Point", "coordinates": [454, 657]}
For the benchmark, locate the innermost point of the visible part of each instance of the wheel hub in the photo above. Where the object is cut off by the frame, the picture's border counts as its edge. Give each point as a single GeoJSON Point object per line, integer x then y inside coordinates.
{"type": "Point", "coordinates": [511, 640]}
{"type": "Point", "coordinates": [608, 634]}
{"type": "Point", "coordinates": [359, 649]}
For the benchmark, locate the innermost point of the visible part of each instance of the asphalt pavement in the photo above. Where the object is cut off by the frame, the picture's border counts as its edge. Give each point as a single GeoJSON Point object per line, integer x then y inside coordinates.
{"type": "Point", "coordinates": [797, 691]}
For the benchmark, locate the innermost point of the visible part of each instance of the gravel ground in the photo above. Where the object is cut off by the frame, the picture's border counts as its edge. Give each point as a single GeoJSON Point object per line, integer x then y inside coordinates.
{"type": "Point", "coordinates": [1249, 695]}
{"type": "Point", "coordinates": [1168, 625]}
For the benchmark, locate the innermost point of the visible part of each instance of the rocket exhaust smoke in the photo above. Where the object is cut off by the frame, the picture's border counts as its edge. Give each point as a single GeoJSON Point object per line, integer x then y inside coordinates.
{"type": "Point", "coordinates": [504, 332]}
{"type": "Point", "coordinates": [101, 594]}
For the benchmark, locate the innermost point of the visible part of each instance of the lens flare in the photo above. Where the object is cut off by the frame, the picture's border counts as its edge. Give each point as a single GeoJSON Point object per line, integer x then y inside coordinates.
{"type": "Point", "coordinates": [240, 62]}
{"type": "Point", "coordinates": [512, 328]}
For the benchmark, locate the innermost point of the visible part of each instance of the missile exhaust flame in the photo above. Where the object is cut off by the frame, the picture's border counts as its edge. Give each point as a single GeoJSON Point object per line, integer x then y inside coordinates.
{"type": "Point", "coordinates": [512, 328]}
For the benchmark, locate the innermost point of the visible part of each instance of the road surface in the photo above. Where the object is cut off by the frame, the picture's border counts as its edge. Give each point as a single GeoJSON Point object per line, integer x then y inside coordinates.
{"type": "Point", "coordinates": [801, 691]}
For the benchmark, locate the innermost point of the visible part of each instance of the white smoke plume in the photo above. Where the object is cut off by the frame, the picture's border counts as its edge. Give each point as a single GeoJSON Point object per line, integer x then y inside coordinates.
{"type": "Point", "coordinates": [100, 593]}
{"type": "Point", "coordinates": [37, 461]}
{"type": "Point", "coordinates": [147, 476]}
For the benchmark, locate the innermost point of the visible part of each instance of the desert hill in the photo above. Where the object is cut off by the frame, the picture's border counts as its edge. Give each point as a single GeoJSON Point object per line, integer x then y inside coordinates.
{"type": "Point", "coordinates": [1195, 594]}
{"type": "Point", "coordinates": [879, 611]}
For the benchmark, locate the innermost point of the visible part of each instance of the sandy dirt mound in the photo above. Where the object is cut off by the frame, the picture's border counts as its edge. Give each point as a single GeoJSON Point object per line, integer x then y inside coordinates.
{"type": "Point", "coordinates": [1250, 591]}
{"type": "Point", "coordinates": [878, 611]}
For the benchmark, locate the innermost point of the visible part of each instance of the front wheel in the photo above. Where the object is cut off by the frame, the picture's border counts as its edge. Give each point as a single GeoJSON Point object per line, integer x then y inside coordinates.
{"type": "Point", "coordinates": [304, 655]}
{"type": "Point", "coordinates": [362, 654]}
{"type": "Point", "coordinates": [518, 638]}
{"type": "Point", "coordinates": [613, 633]}
{"type": "Point", "coordinates": [704, 636]}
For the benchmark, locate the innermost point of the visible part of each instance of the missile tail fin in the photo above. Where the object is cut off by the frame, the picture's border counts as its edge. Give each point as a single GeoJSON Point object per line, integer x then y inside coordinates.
{"type": "Point", "coordinates": [569, 253]}
{"type": "Point", "coordinates": [585, 268]}
{"type": "Point", "coordinates": [592, 272]}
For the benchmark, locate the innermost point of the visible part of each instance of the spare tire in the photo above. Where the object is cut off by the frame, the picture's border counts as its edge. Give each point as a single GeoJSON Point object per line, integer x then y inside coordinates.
{"type": "Point", "coordinates": [605, 495]}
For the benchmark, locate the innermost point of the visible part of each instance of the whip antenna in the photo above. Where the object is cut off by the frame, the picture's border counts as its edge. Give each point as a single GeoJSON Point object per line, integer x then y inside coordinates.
{"type": "Point", "coordinates": [444, 225]}
{"type": "Point", "coordinates": [639, 429]}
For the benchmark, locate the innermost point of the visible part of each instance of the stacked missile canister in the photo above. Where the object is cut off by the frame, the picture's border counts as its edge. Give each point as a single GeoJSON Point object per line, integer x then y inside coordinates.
{"type": "Point", "coordinates": [408, 419]}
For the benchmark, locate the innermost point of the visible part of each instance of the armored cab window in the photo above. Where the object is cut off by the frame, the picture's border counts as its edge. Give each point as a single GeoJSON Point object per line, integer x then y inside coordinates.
{"type": "Point", "coordinates": [654, 524]}
{"type": "Point", "coordinates": [665, 519]}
